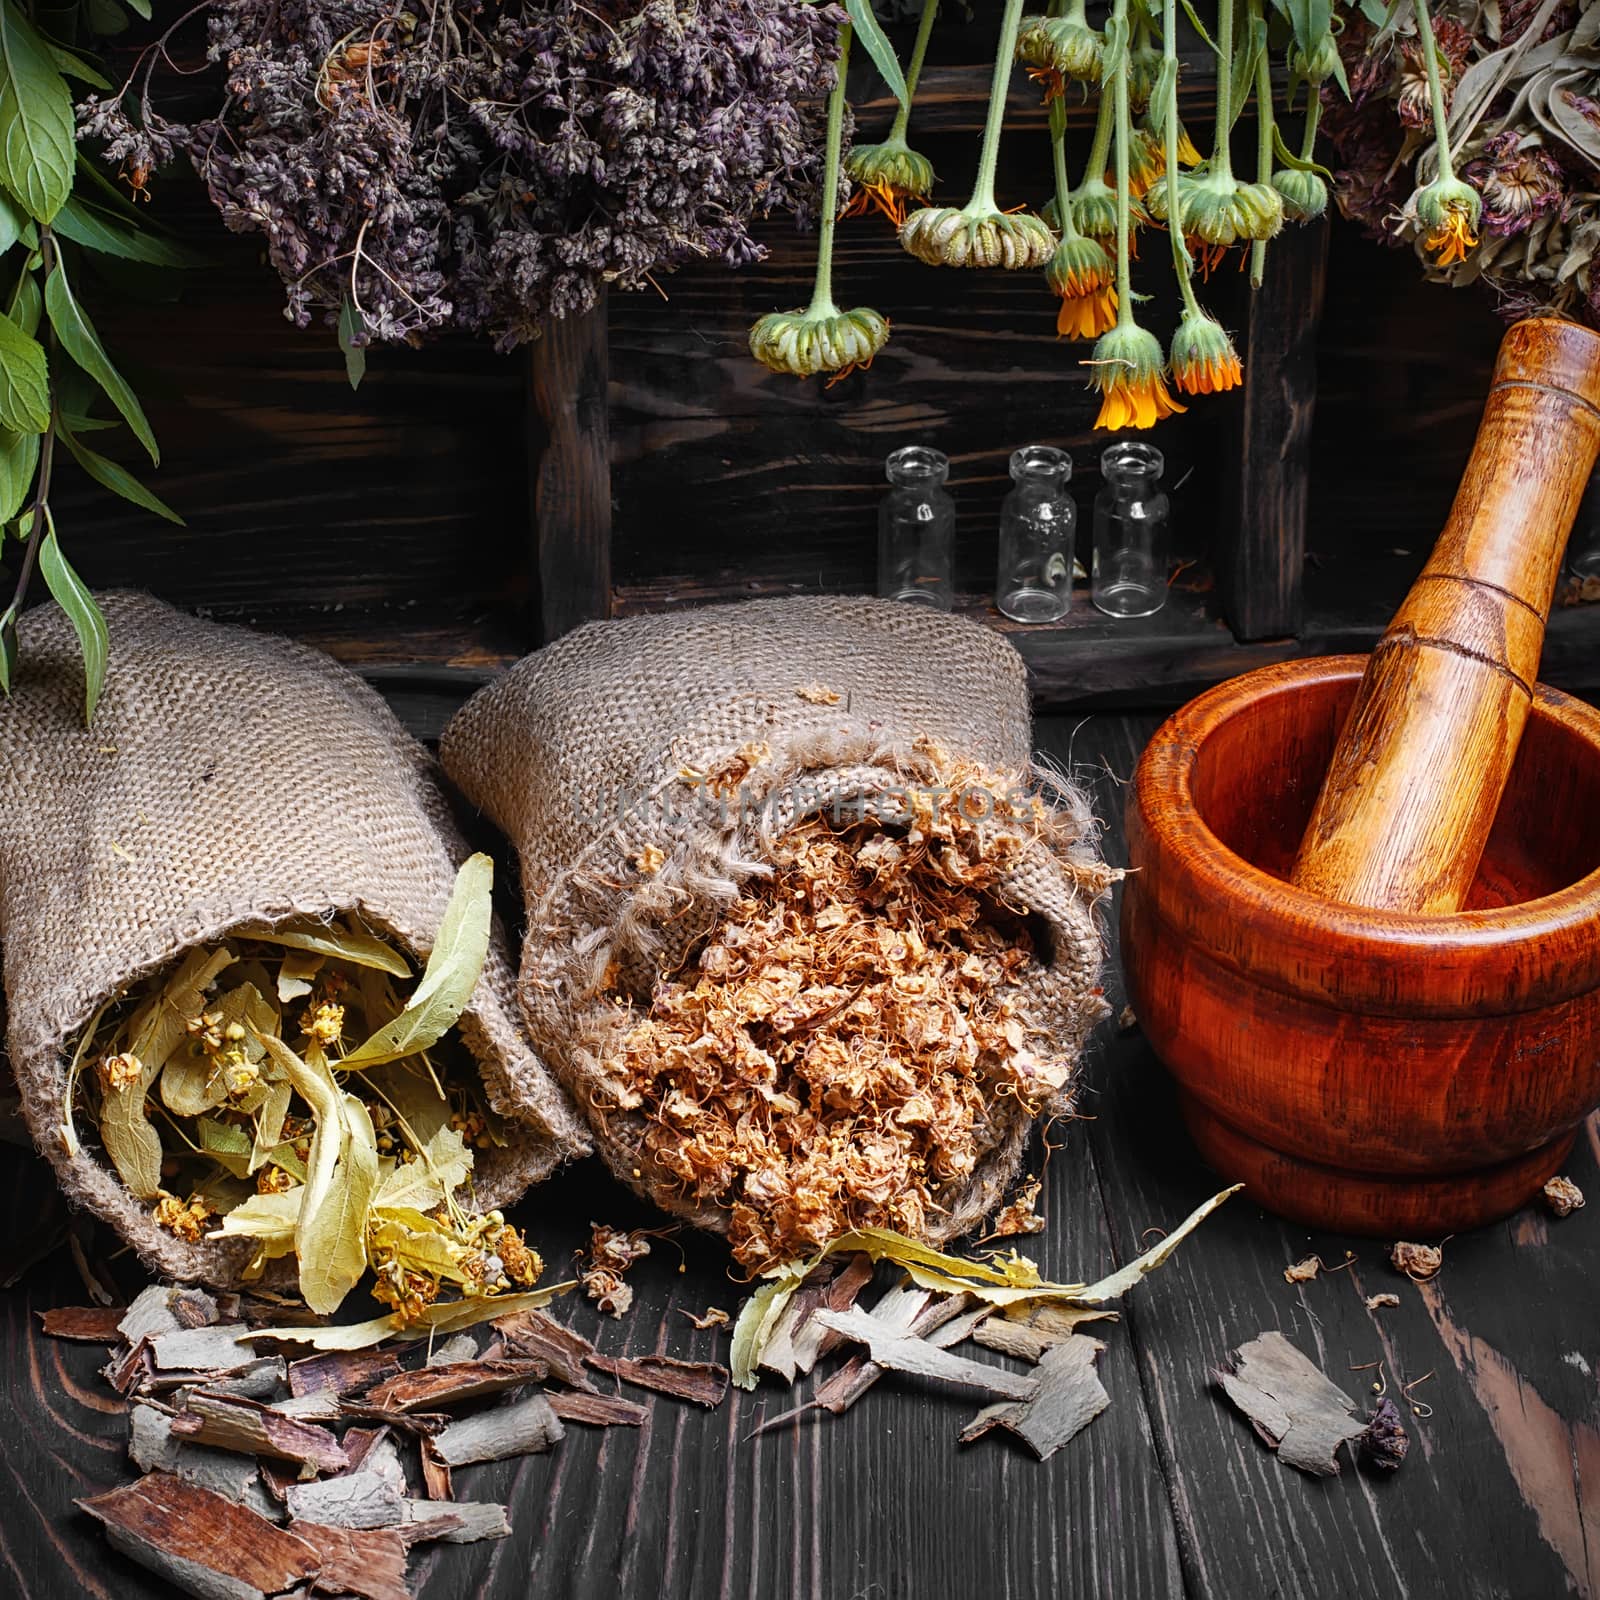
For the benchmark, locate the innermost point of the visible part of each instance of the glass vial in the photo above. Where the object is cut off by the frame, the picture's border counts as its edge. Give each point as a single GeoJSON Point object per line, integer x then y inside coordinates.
{"type": "Point", "coordinates": [1038, 524]}
{"type": "Point", "coordinates": [1129, 577]}
{"type": "Point", "coordinates": [917, 529]}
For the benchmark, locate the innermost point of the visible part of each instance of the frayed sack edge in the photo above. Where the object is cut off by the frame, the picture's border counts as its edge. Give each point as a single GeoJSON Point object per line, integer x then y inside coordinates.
{"type": "Point", "coordinates": [488, 1030]}
{"type": "Point", "coordinates": [590, 924]}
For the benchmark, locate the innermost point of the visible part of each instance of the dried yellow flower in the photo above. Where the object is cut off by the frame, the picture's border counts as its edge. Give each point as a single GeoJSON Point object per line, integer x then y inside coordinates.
{"type": "Point", "coordinates": [1020, 1216]}
{"type": "Point", "coordinates": [121, 1071]}
{"type": "Point", "coordinates": [1418, 1262]}
{"type": "Point", "coordinates": [817, 695]}
{"type": "Point", "coordinates": [522, 1265]}
{"type": "Point", "coordinates": [273, 1179]}
{"type": "Point", "coordinates": [1563, 1196]}
{"type": "Point", "coordinates": [185, 1218]}
{"type": "Point", "coordinates": [324, 1024]}
{"type": "Point", "coordinates": [649, 860]}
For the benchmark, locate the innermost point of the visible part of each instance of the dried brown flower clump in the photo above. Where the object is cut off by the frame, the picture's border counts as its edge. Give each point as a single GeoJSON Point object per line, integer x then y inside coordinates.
{"type": "Point", "coordinates": [837, 1059]}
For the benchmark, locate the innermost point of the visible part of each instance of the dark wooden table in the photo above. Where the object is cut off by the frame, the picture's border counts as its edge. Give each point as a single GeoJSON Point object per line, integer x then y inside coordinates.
{"type": "Point", "coordinates": [1166, 1494]}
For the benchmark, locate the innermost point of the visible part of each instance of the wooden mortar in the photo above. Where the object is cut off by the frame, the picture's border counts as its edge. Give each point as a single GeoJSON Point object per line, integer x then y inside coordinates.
{"type": "Point", "coordinates": [1363, 925]}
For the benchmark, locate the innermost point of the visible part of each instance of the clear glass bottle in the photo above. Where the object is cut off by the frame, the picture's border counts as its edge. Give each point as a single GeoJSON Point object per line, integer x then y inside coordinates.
{"type": "Point", "coordinates": [1129, 575]}
{"type": "Point", "coordinates": [917, 529]}
{"type": "Point", "coordinates": [1038, 526]}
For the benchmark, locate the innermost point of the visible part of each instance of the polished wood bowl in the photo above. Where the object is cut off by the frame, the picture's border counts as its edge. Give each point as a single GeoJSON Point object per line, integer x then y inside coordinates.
{"type": "Point", "coordinates": [1362, 1070]}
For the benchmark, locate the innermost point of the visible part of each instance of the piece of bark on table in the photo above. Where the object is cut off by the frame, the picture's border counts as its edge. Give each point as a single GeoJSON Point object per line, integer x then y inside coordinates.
{"type": "Point", "coordinates": [919, 1358]}
{"type": "Point", "coordinates": [152, 1448]}
{"type": "Point", "coordinates": [450, 1385]}
{"type": "Point", "coordinates": [352, 1500]}
{"type": "Point", "coordinates": [251, 1428]}
{"type": "Point", "coordinates": [200, 1541]}
{"type": "Point", "coordinates": [538, 1336]}
{"type": "Point", "coordinates": [598, 1410]}
{"type": "Point", "coordinates": [222, 1348]}
{"type": "Point", "coordinates": [1291, 1404]}
{"type": "Point", "coordinates": [368, 1563]}
{"type": "Point", "coordinates": [342, 1371]}
{"type": "Point", "coordinates": [705, 1383]}
{"type": "Point", "coordinates": [86, 1324]}
{"type": "Point", "coordinates": [1069, 1398]}
{"type": "Point", "coordinates": [525, 1426]}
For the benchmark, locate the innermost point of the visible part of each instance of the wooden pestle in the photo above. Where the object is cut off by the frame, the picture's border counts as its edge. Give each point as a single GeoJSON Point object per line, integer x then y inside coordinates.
{"type": "Point", "coordinates": [1424, 755]}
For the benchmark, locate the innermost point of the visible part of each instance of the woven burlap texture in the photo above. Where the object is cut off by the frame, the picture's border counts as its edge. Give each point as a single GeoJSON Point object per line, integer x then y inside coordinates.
{"type": "Point", "coordinates": [229, 777]}
{"type": "Point", "coordinates": [597, 747]}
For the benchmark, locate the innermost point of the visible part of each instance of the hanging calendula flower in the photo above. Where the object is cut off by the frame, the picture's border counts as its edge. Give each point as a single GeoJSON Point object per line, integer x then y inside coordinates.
{"type": "Point", "coordinates": [980, 234]}
{"type": "Point", "coordinates": [1144, 58]}
{"type": "Point", "coordinates": [1128, 366]}
{"type": "Point", "coordinates": [1081, 271]}
{"type": "Point", "coordinates": [822, 338]}
{"type": "Point", "coordinates": [1202, 358]}
{"type": "Point", "coordinates": [1301, 187]}
{"type": "Point", "coordinates": [1061, 45]}
{"type": "Point", "coordinates": [889, 175]}
{"type": "Point", "coordinates": [1216, 209]}
{"type": "Point", "coordinates": [1447, 209]}
{"type": "Point", "coordinates": [1094, 201]}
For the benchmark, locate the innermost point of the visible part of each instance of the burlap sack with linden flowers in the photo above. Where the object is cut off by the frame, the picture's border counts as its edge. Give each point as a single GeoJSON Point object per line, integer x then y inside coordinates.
{"type": "Point", "coordinates": [228, 778]}
{"type": "Point", "coordinates": [740, 843]}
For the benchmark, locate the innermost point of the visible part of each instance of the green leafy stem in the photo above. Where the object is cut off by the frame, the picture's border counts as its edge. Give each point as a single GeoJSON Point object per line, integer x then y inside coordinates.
{"type": "Point", "coordinates": [57, 212]}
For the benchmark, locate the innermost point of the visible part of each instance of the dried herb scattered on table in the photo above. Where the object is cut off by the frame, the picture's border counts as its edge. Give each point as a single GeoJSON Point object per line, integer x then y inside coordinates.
{"type": "Point", "coordinates": [278, 1088]}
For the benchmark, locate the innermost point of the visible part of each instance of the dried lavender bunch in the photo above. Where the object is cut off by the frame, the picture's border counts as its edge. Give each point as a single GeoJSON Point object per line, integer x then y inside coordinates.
{"type": "Point", "coordinates": [483, 169]}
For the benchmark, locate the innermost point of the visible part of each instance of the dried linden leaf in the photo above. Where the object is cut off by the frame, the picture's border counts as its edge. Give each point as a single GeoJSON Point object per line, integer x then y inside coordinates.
{"type": "Point", "coordinates": [450, 977]}
{"type": "Point", "coordinates": [269, 1125]}
{"type": "Point", "coordinates": [1004, 1280]}
{"type": "Point", "coordinates": [130, 1137]}
{"type": "Point", "coordinates": [331, 1240]}
{"type": "Point", "coordinates": [361, 949]}
{"type": "Point", "coordinates": [269, 1219]}
{"type": "Point", "coordinates": [447, 1317]}
{"type": "Point", "coordinates": [295, 973]}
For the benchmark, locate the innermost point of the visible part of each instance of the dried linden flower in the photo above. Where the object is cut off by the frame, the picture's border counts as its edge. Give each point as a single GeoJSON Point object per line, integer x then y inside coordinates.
{"type": "Point", "coordinates": [1419, 1262]}
{"type": "Point", "coordinates": [1563, 1196]}
{"type": "Point", "coordinates": [121, 1071]}
{"type": "Point", "coordinates": [650, 859]}
{"type": "Point", "coordinates": [185, 1218]}
{"type": "Point", "coordinates": [1303, 1271]}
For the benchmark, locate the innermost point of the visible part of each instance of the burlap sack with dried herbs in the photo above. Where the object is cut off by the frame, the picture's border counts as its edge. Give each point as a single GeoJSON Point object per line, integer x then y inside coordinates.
{"type": "Point", "coordinates": [653, 773]}
{"type": "Point", "coordinates": [229, 778]}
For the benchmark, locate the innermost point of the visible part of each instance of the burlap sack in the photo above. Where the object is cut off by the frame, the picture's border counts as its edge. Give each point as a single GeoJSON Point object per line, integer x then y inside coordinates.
{"type": "Point", "coordinates": [592, 749]}
{"type": "Point", "coordinates": [228, 778]}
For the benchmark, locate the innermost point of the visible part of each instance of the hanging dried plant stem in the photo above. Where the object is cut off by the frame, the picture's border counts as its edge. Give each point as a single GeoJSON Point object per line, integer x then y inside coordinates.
{"type": "Point", "coordinates": [1264, 130]}
{"type": "Point", "coordinates": [1182, 261]}
{"type": "Point", "coordinates": [919, 51]}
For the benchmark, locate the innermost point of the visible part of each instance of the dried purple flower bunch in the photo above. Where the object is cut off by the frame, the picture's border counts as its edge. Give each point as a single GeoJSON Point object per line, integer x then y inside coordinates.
{"type": "Point", "coordinates": [1521, 94]}
{"type": "Point", "coordinates": [420, 167]}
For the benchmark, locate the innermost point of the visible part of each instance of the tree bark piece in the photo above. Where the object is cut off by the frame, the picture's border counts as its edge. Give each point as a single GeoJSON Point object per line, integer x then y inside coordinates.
{"type": "Point", "coordinates": [254, 1429]}
{"type": "Point", "coordinates": [537, 1335]}
{"type": "Point", "coordinates": [919, 1358]}
{"type": "Point", "coordinates": [1291, 1405]}
{"type": "Point", "coordinates": [1069, 1398]}
{"type": "Point", "coordinates": [525, 1427]}
{"type": "Point", "coordinates": [452, 1384]}
{"type": "Point", "coordinates": [703, 1382]}
{"type": "Point", "coordinates": [201, 1542]}
{"type": "Point", "coordinates": [342, 1371]}
{"type": "Point", "coordinates": [369, 1563]}
{"type": "Point", "coordinates": [599, 1410]}
{"type": "Point", "coordinates": [90, 1324]}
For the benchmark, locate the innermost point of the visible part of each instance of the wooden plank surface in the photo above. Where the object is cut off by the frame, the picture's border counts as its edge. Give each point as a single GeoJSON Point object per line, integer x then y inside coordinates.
{"type": "Point", "coordinates": [1167, 1494]}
